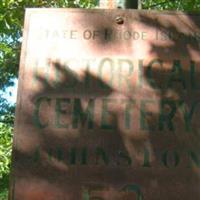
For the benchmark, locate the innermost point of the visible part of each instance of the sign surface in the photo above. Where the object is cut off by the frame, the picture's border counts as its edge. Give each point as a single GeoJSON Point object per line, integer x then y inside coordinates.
{"type": "Point", "coordinates": [108, 106]}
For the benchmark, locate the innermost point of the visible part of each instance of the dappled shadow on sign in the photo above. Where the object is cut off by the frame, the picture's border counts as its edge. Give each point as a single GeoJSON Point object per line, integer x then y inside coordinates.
{"type": "Point", "coordinates": [142, 129]}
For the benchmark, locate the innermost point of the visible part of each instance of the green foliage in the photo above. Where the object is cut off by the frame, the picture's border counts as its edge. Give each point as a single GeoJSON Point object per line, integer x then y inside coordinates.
{"type": "Point", "coordinates": [5, 148]}
{"type": "Point", "coordinates": [5, 158]}
{"type": "Point", "coordinates": [182, 5]}
{"type": "Point", "coordinates": [4, 182]}
{"type": "Point", "coordinates": [6, 112]}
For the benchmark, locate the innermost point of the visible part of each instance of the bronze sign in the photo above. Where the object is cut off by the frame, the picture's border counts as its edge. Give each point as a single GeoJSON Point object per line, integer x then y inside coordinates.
{"type": "Point", "coordinates": [108, 106]}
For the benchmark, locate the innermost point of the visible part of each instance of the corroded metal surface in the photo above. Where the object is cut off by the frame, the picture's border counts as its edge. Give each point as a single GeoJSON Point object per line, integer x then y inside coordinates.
{"type": "Point", "coordinates": [108, 106]}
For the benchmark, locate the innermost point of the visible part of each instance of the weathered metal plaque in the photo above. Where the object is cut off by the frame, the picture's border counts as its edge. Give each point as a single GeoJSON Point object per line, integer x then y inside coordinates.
{"type": "Point", "coordinates": [108, 106]}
